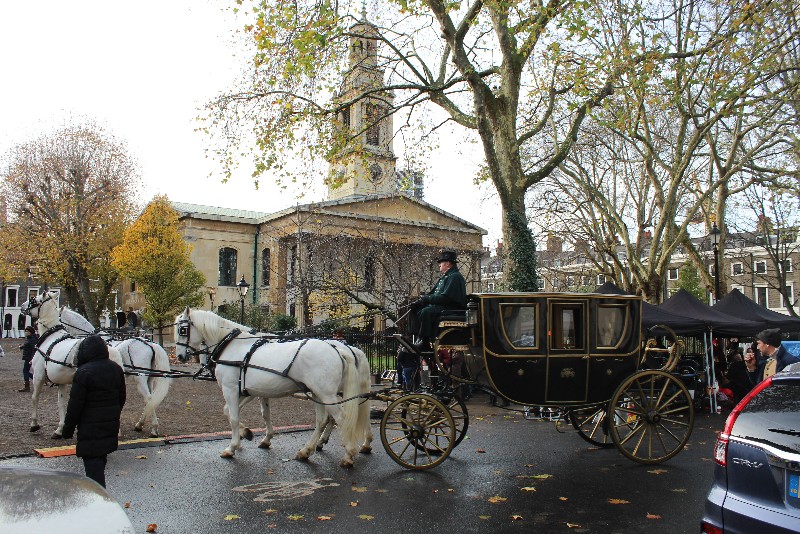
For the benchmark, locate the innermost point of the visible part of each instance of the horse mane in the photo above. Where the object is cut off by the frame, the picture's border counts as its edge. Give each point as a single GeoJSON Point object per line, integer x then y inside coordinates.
{"type": "Point", "coordinates": [212, 325]}
{"type": "Point", "coordinates": [74, 320]}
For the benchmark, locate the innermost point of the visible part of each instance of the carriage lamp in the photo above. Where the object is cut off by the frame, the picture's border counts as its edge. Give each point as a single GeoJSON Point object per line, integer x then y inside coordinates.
{"type": "Point", "coordinates": [211, 292]}
{"type": "Point", "coordinates": [243, 287]}
{"type": "Point", "coordinates": [471, 317]}
{"type": "Point", "coordinates": [714, 235]}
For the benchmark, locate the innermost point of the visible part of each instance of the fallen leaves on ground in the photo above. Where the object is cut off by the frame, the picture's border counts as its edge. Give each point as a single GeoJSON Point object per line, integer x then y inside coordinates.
{"type": "Point", "coordinates": [295, 517]}
{"type": "Point", "coordinates": [324, 518]}
{"type": "Point", "coordinates": [271, 511]}
{"type": "Point", "coordinates": [484, 517]}
{"type": "Point", "coordinates": [679, 490]}
{"type": "Point", "coordinates": [480, 451]}
{"type": "Point", "coordinates": [231, 517]}
{"type": "Point", "coordinates": [658, 471]}
{"type": "Point", "coordinates": [142, 457]}
{"type": "Point", "coordinates": [528, 488]}
{"type": "Point", "coordinates": [573, 525]}
{"type": "Point", "coordinates": [618, 501]}
{"type": "Point", "coordinates": [366, 517]}
{"type": "Point", "coordinates": [152, 527]}
{"type": "Point", "coordinates": [127, 504]}
{"type": "Point", "coordinates": [497, 499]}
{"type": "Point", "coordinates": [516, 517]}
{"type": "Point", "coordinates": [652, 516]}
{"type": "Point", "coordinates": [563, 498]}
{"type": "Point", "coordinates": [359, 489]}
{"type": "Point", "coordinates": [353, 503]}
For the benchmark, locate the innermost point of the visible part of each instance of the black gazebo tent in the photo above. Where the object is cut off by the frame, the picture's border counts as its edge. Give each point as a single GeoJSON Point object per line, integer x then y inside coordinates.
{"type": "Point", "coordinates": [685, 304]}
{"type": "Point", "coordinates": [737, 305]}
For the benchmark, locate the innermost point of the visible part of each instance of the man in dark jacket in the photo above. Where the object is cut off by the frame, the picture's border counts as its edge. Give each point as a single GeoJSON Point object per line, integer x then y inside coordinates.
{"type": "Point", "coordinates": [449, 293]}
{"type": "Point", "coordinates": [28, 352]}
{"type": "Point", "coordinates": [769, 343]}
{"type": "Point", "coordinates": [95, 404]}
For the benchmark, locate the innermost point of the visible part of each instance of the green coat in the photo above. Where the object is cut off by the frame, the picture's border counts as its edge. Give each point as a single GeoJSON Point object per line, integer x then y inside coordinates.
{"type": "Point", "coordinates": [450, 291]}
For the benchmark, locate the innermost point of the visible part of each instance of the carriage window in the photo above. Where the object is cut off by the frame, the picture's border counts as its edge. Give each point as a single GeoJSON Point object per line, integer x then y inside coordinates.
{"type": "Point", "coordinates": [610, 325]}
{"type": "Point", "coordinates": [567, 327]}
{"type": "Point", "coordinates": [227, 266]}
{"type": "Point", "coordinates": [519, 325]}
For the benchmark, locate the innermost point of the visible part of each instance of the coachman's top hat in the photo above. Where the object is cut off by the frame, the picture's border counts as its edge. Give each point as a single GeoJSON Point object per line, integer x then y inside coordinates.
{"type": "Point", "coordinates": [446, 255]}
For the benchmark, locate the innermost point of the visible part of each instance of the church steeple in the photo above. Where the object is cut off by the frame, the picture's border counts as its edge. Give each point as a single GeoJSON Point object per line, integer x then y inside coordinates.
{"type": "Point", "coordinates": [370, 167]}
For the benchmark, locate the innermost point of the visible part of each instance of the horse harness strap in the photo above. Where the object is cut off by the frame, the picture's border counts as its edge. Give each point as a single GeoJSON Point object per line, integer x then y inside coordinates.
{"type": "Point", "coordinates": [152, 356]}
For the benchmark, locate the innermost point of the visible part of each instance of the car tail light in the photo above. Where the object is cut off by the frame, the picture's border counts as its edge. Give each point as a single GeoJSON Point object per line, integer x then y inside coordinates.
{"type": "Point", "coordinates": [721, 446]}
{"type": "Point", "coordinates": [707, 528]}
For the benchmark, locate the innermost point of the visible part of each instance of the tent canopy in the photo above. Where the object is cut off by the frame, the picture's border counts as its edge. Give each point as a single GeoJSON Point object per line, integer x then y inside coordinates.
{"type": "Point", "coordinates": [737, 305]}
{"type": "Point", "coordinates": [685, 304]}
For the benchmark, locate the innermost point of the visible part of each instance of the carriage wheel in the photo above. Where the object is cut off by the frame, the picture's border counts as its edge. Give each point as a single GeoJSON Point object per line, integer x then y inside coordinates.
{"type": "Point", "coordinates": [458, 410]}
{"type": "Point", "coordinates": [592, 425]}
{"type": "Point", "coordinates": [418, 431]}
{"type": "Point", "coordinates": [653, 416]}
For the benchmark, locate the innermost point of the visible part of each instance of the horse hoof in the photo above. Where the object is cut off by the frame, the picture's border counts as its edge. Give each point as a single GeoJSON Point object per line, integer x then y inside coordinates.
{"type": "Point", "coordinates": [248, 434]}
{"type": "Point", "coordinates": [319, 447]}
{"type": "Point", "coordinates": [347, 464]}
{"type": "Point", "coordinates": [301, 457]}
{"type": "Point", "coordinates": [365, 450]}
{"type": "Point", "coordinates": [34, 428]}
{"type": "Point", "coordinates": [263, 445]}
{"type": "Point", "coordinates": [56, 436]}
{"type": "Point", "coordinates": [154, 435]}
{"type": "Point", "coordinates": [226, 454]}
{"type": "Point", "coordinates": [138, 428]}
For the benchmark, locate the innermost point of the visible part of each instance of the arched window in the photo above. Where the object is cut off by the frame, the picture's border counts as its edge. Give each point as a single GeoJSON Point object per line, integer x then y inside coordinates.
{"type": "Point", "coordinates": [369, 273]}
{"type": "Point", "coordinates": [227, 266]}
{"type": "Point", "coordinates": [265, 267]}
{"type": "Point", "coordinates": [21, 320]}
{"type": "Point", "coordinates": [373, 118]}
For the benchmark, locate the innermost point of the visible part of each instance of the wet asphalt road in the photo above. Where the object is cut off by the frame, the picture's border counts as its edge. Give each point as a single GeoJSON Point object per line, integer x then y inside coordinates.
{"type": "Point", "coordinates": [187, 487]}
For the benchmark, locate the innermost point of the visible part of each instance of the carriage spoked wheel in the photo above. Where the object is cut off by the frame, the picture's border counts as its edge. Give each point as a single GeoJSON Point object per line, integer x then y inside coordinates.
{"type": "Point", "coordinates": [652, 416]}
{"type": "Point", "coordinates": [458, 410]}
{"type": "Point", "coordinates": [592, 424]}
{"type": "Point", "coordinates": [418, 431]}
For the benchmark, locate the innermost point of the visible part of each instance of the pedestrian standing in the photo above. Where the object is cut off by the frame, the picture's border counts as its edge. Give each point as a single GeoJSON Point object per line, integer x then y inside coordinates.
{"type": "Point", "coordinates": [28, 352]}
{"type": "Point", "coordinates": [769, 343]}
{"type": "Point", "coordinates": [95, 405]}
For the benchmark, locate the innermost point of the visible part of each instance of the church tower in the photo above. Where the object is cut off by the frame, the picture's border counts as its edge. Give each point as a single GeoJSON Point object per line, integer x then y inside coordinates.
{"type": "Point", "coordinates": [369, 167]}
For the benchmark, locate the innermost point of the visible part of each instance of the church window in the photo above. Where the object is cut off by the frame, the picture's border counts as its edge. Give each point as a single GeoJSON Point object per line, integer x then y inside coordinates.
{"type": "Point", "coordinates": [346, 116]}
{"type": "Point", "coordinates": [369, 273]}
{"type": "Point", "coordinates": [227, 266]}
{"type": "Point", "coordinates": [265, 267]}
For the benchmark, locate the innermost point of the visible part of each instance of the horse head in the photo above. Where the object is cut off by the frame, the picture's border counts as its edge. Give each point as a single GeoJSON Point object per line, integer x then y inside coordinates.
{"type": "Point", "coordinates": [43, 308]}
{"type": "Point", "coordinates": [186, 344]}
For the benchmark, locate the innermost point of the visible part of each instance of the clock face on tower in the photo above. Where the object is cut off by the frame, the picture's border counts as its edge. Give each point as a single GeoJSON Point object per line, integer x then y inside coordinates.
{"type": "Point", "coordinates": [375, 173]}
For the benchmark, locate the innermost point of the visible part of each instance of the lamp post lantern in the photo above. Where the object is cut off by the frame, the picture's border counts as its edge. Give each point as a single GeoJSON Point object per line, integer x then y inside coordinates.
{"type": "Point", "coordinates": [715, 235]}
{"type": "Point", "coordinates": [243, 287]}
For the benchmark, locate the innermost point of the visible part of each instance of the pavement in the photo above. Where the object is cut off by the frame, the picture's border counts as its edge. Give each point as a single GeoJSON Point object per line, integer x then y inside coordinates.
{"type": "Point", "coordinates": [509, 474]}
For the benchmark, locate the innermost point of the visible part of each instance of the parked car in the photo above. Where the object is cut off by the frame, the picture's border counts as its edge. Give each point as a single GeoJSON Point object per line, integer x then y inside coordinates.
{"type": "Point", "coordinates": [45, 501]}
{"type": "Point", "coordinates": [757, 474]}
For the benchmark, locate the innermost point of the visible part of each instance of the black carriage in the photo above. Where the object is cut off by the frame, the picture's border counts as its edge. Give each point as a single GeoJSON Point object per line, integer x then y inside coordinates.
{"type": "Point", "coordinates": [583, 354]}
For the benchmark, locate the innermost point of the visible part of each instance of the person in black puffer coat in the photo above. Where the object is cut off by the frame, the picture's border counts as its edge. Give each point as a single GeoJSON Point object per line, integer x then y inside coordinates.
{"type": "Point", "coordinates": [95, 404]}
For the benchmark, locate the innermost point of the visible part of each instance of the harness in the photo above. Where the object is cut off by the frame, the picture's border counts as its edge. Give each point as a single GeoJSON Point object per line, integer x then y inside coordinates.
{"type": "Point", "coordinates": [46, 355]}
{"type": "Point", "coordinates": [142, 370]}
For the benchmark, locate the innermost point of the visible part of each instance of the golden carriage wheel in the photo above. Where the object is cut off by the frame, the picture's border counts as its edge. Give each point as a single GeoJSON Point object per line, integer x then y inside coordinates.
{"type": "Point", "coordinates": [652, 416]}
{"type": "Point", "coordinates": [418, 431]}
{"type": "Point", "coordinates": [592, 424]}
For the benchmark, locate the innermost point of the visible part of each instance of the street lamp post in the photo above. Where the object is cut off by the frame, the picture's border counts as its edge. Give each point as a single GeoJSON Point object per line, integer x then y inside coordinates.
{"type": "Point", "coordinates": [715, 235]}
{"type": "Point", "coordinates": [211, 292]}
{"type": "Point", "coordinates": [243, 287]}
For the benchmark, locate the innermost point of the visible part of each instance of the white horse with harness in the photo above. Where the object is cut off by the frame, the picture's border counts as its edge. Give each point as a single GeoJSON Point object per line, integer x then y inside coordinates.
{"type": "Point", "coordinates": [146, 360]}
{"type": "Point", "coordinates": [54, 360]}
{"type": "Point", "coordinates": [248, 366]}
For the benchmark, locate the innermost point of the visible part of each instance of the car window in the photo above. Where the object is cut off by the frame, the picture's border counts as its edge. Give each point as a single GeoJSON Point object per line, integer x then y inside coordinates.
{"type": "Point", "coordinates": [773, 417]}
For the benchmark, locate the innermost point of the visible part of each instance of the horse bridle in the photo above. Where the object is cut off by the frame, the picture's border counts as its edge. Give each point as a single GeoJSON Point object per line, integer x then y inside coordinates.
{"type": "Point", "coordinates": [33, 304]}
{"type": "Point", "coordinates": [184, 330]}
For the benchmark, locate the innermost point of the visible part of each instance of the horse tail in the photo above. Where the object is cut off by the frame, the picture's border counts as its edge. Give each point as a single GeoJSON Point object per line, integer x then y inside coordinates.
{"type": "Point", "coordinates": [160, 383]}
{"type": "Point", "coordinates": [350, 409]}
{"type": "Point", "coordinates": [364, 381]}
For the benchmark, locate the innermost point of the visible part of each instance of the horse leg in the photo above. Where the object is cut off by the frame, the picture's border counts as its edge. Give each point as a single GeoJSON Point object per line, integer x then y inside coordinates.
{"type": "Point", "coordinates": [320, 416]}
{"type": "Point", "coordinates": [62, 411]}
{"type": "Point", "coordinates": [37, 390]}
{"type": "Point", "coordinates": [144, 390]}
{"type": "Point", "coordinates": [232, 411]}
{"type": "Point", "coordinates": [267, 416]}
{"type": "Point", "coordinates": [326, 432]}
{"type": "Point", "coordinates": [334, 412]}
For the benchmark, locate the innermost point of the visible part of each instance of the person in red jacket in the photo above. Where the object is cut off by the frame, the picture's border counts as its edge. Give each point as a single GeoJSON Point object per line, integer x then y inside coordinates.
{"type": "Point", "coordinates": [95, 404]}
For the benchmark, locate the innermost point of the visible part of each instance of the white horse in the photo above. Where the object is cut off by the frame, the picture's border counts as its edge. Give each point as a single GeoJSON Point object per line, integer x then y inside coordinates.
{"type": "Point", "coordinates": [249, 366]}
{"type": "Point", "coordinates": [146, 360]}
{"type": "Point", "coordinates": [54, 360]}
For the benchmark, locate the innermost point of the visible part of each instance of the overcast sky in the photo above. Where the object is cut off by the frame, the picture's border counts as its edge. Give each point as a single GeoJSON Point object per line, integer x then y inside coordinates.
{"type": "Point", "coordinates": [142, 69]}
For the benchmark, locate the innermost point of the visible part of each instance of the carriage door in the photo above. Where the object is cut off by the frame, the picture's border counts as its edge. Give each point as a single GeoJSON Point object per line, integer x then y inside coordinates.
{"type": "Point", "coordinates": [568, 351]}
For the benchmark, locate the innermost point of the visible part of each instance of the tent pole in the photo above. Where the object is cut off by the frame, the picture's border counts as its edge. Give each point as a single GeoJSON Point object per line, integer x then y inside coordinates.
{"type": "Point", "coordinates": [712, 396]}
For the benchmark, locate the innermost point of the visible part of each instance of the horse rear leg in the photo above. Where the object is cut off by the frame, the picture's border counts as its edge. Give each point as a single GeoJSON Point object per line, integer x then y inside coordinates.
{"type": "Point", "coordinates": [267, 416]}
{"type": "Point", "coordinates": [37, 390]}
{"type": "Point", "coordinates": [320, 419]}
{"type": "Point", "coordinates": [154, 390]}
